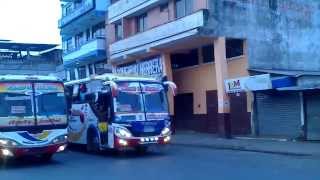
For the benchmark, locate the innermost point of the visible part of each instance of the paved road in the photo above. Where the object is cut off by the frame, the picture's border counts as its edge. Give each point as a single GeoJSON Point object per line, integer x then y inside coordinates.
{"type": "Point", "coordinates": [179, 162]}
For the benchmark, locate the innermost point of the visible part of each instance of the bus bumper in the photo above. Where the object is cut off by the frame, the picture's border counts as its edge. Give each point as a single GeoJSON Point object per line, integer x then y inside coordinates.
{"type": "Point", "coordinates": [135, 142]}
{"type": "Point", "coordinates": [31, 151]}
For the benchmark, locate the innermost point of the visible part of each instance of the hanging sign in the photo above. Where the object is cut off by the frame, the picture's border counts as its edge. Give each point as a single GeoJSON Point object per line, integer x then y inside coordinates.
{"type": "Point", "coordinates": [250, 83]}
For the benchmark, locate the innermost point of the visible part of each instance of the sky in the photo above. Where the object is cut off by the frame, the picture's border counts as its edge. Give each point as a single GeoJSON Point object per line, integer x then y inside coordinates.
{"type": "Point", "coordinates": [30, 21]}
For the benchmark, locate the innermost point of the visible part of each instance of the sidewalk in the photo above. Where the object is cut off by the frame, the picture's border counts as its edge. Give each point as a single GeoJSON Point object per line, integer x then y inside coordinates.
{"type": "Point", "coordinates": [194, 139]}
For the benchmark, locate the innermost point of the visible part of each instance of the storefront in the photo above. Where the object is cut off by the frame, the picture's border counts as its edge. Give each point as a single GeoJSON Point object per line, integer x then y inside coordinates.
{"type": "Point", "coordinates": [288, 109]}
{"type": "Point", "coordinates": [195, 107]}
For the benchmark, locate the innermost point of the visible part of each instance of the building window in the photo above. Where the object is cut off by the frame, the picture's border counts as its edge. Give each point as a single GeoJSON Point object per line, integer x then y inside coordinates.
{"type": "Point", "coordinates": [68, 10]}
{"type": "Point", "coordinates": [234, 48]}
{"type": "Point", "coordinates": [79, 40]}
{"type": "Point", "coordinates": [72, 74]}
{"type": "Point", "coordinates": [164, 7]}
{"type": "Point", "coordinates": [118, 31]}
{"type": "Point", "coordinates": [114, 1]}
{"type": "Point", "coordinates": [99, 30]}
{"type": "Point", "coordinates": [88, 35]}
{"type": "Point", "coordinates": [208, 53]}
{"type": "Point", "coordinates": [183, 8]}
{"type": "Point", "coordinates": [69, 44]}
{"type": "Point", "coordinates": [273, 4]}
{"type": "Point", "coordinates": [82, 72]}
{"type": "Point", "coordinates": [91, 69]}
{"type": "Point", "coordinates": [142, 23]}
{"type": "Point", "coordinates": [102, 68]}
{"type": "Point", "coordinates": [181, 60]}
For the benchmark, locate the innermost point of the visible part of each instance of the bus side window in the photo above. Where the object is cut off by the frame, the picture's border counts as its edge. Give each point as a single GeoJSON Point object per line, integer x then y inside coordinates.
{"type": "Point", "coordinates": [68, 94]}
{"type": "Point", "coordinates": [102, 106]}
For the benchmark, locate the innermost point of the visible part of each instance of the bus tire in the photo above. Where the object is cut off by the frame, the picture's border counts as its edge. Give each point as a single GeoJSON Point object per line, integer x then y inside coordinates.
{"type": "Point", "coordinates": [141, 150]}
{"type": "Point", "coordinates": [93, 145]}
{"type": "Point", "coordinates": [46, 157]}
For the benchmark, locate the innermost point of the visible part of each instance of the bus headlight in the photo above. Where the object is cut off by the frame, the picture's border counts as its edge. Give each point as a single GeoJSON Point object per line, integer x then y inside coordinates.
{"type": "Point", "coordinates": [122, 132]}
{"type": "Point", "coordinates": [8, 143]}
{"type": "Point", "coordinates": [166, 131]}
{"type": "Point", "coordinates": [60, 139]}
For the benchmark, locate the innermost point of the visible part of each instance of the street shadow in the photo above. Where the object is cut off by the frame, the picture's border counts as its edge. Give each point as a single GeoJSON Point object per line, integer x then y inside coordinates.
{"type": "Point", "coordinates": [130, 154]}
{"type": "Point", "coordinates": [26, 162]}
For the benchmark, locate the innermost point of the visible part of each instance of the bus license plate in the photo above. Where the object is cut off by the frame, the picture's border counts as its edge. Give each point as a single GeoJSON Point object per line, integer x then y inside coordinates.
{"type": "Point", "coordinates": [148, 129]}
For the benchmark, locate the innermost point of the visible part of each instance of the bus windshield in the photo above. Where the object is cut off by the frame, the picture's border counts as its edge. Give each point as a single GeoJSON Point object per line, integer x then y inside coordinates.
{"type": "Point", "coordinates": [50, 103]}
{"type": "Point", "coordinates": [30, 104]}
{"type": "Point", "coordinates": [57, 105]}
{"type": "Point", "coordinates": [13, 104]}
{"type": "Point", "coordinates": [16, 105]}
{"type": "Point", "coordinates": [154, 98]}
{"type": "Point", "coordinates": [129, 98]}
{"type": "Point", "coordinates": [140, 97]}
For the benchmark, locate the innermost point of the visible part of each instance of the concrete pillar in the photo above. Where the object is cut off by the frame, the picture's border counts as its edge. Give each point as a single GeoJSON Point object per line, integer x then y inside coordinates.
{"type": "Point", "coordinates": [87, 70]}
{"type": "Point", "coordinates": [167, 71]}
{"type": "Point", "coordinates": [76, 72]}
{"type": "Point", "coordinates": [68, 75]}
{"type": "Point", "coordinates": [221, 66]}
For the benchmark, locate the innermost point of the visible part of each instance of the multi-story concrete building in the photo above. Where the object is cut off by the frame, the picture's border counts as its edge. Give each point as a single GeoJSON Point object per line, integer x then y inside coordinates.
{"type": "Point", "coordinates": [83, 37]}
{"type": "Point", "coordinates": [29, 59]}
{"type": "Point", "coordinates": [200, 43]}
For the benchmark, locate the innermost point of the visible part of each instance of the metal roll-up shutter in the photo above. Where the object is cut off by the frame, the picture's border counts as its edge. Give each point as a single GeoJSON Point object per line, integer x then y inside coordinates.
{"type": "Point", "coordinates": [278, 114]}
{"type": "Point", "coordinates": [312, 112]}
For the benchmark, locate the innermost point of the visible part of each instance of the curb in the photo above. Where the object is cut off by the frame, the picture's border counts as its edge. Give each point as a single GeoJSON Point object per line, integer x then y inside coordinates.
{"type": "Point", "coordinates": [242, 148]}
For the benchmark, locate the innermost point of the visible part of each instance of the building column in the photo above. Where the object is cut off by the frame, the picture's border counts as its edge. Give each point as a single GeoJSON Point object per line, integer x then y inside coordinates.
{"type": "Point", "coordinates": [221, 67]}
{"type": "Point", "coordinates": [87, 70]}
{"type": "Point", "coordinates": [167, 71]}
{"type": "Point", "coordinates": [76, 72]}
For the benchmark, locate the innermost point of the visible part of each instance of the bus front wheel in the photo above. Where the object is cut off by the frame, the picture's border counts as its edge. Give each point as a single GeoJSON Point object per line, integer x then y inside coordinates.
{"type": "Point", "coordinates": [46, 157]}
{"type": "Point", "coordinates": [141, 150]}
{"type": "Point", "coordinates": [92, 142]}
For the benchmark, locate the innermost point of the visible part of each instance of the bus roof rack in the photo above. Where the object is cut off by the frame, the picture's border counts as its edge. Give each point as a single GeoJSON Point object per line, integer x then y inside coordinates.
{"type": "Point", "coordinates": [112, 77]}
{"type": "Point", "coordinates": [27, 77]}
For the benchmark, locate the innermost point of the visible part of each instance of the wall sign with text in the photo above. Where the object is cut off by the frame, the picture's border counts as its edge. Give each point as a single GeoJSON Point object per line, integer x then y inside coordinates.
{"type": "Point", "coordinates": [152, 67]}
{"type": "Point", "coordinates": [250, 83]}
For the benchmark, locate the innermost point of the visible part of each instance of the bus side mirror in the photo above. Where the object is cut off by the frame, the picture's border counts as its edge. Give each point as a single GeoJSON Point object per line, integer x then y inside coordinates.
{"type": "Point", "coordinates": [113, 87]}
{"type": "Point", "coordinates": [170, 85]}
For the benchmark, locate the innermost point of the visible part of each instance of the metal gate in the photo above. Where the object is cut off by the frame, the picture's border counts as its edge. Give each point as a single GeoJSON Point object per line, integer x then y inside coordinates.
{"type": "Point", "coordinates": [278, 114]}
{"type": "Point", "coordinates": [312, 114]}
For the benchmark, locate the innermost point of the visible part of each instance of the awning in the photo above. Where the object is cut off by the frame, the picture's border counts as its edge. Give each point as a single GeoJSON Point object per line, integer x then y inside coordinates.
{"type": "Point", "coordinates": [296, 88]}
{"type": "Point", "coordinates": [288, 73]}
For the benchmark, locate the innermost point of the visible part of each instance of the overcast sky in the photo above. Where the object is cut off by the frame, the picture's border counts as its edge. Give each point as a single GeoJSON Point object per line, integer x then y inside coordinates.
{"type": "Point", "coordinates": [33, 21]}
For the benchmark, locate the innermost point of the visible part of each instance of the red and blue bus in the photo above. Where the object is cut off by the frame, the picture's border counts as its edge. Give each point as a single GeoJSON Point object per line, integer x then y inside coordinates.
{"type": "Point", "coordinates": [117, 112]}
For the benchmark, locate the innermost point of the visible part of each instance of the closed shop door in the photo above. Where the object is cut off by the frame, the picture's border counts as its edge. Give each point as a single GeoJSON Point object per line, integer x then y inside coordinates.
{"type": "Point", "coordinates": [240, 118]}
{"type": "Point", "coordinates": [278, 114]}
{"type": "Point", "coordinates": [312, 114]}
{"type": "Point", "coordinates": [212, 111]}
{"type": "Point", "coordinates": [183, 111]}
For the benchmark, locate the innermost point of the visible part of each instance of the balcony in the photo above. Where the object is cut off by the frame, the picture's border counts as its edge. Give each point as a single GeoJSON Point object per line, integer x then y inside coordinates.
{"type": "Point", "coordinates": [124, 8]}
{"type": "Point", "coordinates": [92, 51]}
{"type": "Point", "coordinates": [69, 0]}
{"type": "Point", "coordinates": [179, 29]}
{"type": "Point", "coordinates": [89, 13]}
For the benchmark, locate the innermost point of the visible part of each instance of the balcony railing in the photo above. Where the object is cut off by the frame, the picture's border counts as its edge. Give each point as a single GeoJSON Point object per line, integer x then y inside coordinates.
{"type": "Point", "coordinates": [162, 34]}
{"type": "Point", "coordinates": [90, 46]}
{"type": "Point", "coordinates": [124, 8]}
{"type": "Point", "coordinates": [85, 7]}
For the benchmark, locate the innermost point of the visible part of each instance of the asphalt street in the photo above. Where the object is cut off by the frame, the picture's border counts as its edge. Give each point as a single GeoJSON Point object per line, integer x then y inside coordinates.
{"type": "Point", "coordinates": [177, 162]}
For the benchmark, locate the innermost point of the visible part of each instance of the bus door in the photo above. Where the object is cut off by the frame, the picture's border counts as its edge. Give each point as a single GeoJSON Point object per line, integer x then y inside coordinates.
{"type": "Point", "coordinates": [101, 106]}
